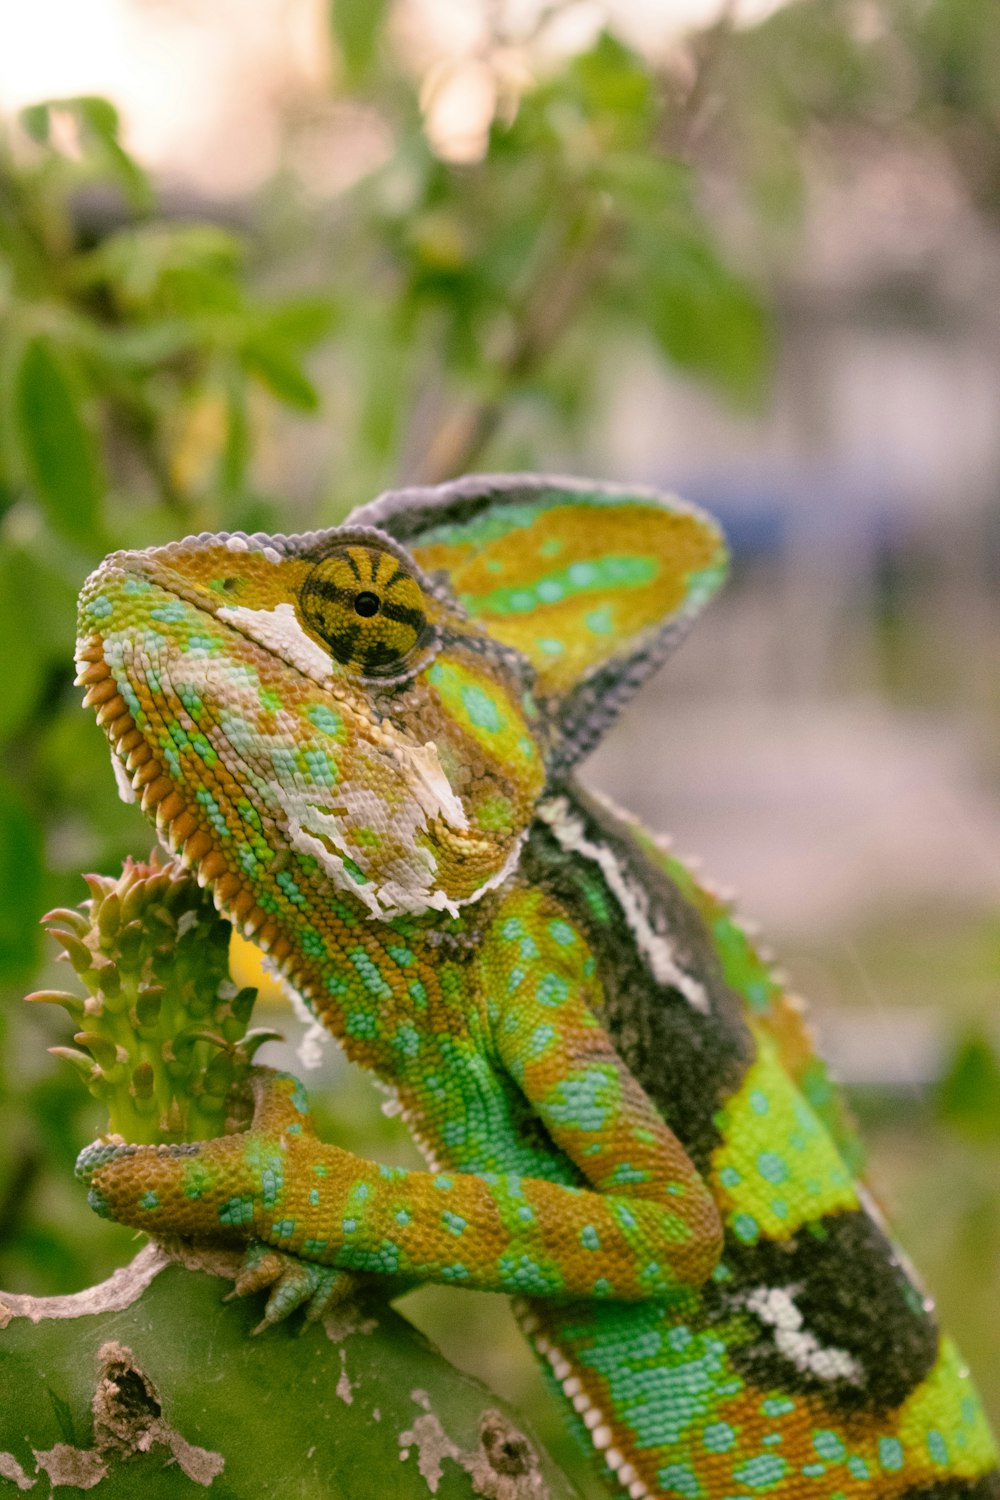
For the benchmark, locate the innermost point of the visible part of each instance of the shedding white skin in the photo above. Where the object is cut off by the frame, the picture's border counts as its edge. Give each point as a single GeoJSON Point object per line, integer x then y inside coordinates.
{"type": "Point", "coordinates": [655, 947]}
{"type": "Point", "coordinates": [775, 1307]}
{"type": "Point", "coordinates": [279, 631]}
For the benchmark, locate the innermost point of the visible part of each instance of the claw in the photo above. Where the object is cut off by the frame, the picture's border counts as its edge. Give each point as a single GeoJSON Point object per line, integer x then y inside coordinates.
{"type": "Point", "coordinates": [294, 1283]}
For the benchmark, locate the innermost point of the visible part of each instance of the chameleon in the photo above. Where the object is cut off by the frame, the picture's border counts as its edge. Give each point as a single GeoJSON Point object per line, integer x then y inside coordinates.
{"type": "Point", "coordinates": [363, 741]}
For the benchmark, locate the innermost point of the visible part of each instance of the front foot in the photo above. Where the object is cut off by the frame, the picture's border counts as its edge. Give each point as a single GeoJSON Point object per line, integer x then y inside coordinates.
{"type": "Point", "coordinates": [260, 1188]}
{"type": "Point", "coordinates": [293, 1283]}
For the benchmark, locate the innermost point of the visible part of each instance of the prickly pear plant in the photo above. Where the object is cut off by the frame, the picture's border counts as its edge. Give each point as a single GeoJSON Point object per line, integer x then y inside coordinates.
{"type": "Point", "coordinates": [162, 1032]}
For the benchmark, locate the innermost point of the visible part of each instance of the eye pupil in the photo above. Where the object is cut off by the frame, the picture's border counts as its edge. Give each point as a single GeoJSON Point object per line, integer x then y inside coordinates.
{"type": "Point", "coordinates": [367, 604]}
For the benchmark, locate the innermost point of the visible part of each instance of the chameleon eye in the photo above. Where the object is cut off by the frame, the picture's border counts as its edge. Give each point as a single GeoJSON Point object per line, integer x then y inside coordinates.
{"type": "Point", "coordinates": [369, 610]}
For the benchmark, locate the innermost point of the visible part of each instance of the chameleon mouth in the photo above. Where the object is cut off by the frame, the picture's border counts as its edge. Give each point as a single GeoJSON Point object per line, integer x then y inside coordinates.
{"type": "Point", "coordinates": [142, 777]}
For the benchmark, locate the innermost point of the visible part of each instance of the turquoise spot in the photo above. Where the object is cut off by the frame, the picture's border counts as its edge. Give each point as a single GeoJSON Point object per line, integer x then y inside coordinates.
{"type": "Point", "coordinates": [271, 1184]}
{"type": "Point", "coordinates": [679, 1338]}
{"type": "Point", "coordinates": [626, 1173]}
{"type": "Point", "coordinates": [772, 1167]}
{"type": "Point", "coordinates": [325, 720]}
{"type": "Point", "coordinates": [680, 1479]}
{"type": "Point", "coordinates": [361, 1024]}
{"type": "Point", "coordinates": [762, 1471]}
{"type": "Point", "coordinates": [589, 1238]}
{"type": "Point", "coordinates": [407, 1040]}
{"type": "Point", "coordinates": [417, 992]}
{"type": "Point", "coordinates": [314, 1197]}
{"type": "Point", "coordinates": [291, 890]}
{"type": "Point", "coordinates": [320, 767]}
{"type": "Point", "coordinates": [456, 1272]}
{"type": "Point", "coordinates": [512, 928]}
{"type": "Point", "coordinates": [745, 1228]}
{"type": "Point", "coordinates": [552, 989]}
{"type": "Point", "coordinates": [602, 1287]}
{"type": "Point", "coordinates": [562, 933]}
{"type": "Point", "coordinates": [522, 1274]}
{"type": "Point", "coordinates": [541, 1040]}
{"type": "Point", "coordinates": [719, 1437]}
{"type": "Point", "coordinates": [284, 1229]}
{"type": "Point", "coordinates": [600, 621]}
{"type": "Point", "coordinates": [829, 1446]}
{"type": "Point", "coordinates": [777, 1406]}
{"type": "Point", "coordinates": [581, 1101]}
{"type": "Point", "coordinates": [236, 1212]}
{"type": "Point", "coordinates": [550, 646]}
{"type": "Point", "coordinates": [402, 956]}
{"type": "Point", "coordinates": [730, 1177]}
{"type": "Point", "coordinates": [857, 1468]}
{"type": "Point", "coordinates": [759, 1102]}
{"type": "Point", "coordinates": [348, 1226]}
{"type": "Point", "coordinates": [814, 1471]}
{"type": "Point", "coordinates": [937, 1447]}
{"type": "Point", "coordinates": [444, 1183]}
{"type": "Point", "coordinates": [481, 709]}
{"type": "Point", "coordinates": [149, 1201]}
{"type": "Point", "coordinates": [403, 1217]}
{"type": "Point", "coordinates": [454, 1222]}
{"type": "Point", "coordinates": [101, 607]}
{"type": "Point", "coordinates": [370, 976]}
{"type": "Point", "coordinates": [98, 1203]}
{"type": "Point", "coordinates": [582, 574]}
{"type": "Point", "coordinates": [779, 1207]}
{"type": "Point", "coordinates": [550, 590]}
{"type": "Point", "coordinates": [313, 1247]}
{"type": "Point", "coordinates": [168, 614]}
{"type": "Point", "coordinates": [890, 1454]}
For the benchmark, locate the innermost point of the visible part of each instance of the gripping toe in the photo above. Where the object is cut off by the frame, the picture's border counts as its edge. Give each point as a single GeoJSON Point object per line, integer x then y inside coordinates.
{"type": "Point", "coordinates": [293, 1283]}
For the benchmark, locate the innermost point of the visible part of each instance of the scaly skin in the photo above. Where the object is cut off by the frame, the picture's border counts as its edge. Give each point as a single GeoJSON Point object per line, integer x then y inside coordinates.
{"type": "Point", "coordinates": [363, 741]}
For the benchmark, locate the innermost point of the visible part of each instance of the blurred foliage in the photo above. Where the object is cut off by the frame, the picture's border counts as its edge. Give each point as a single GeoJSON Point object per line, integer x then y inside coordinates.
{"type": "Point", "coordinates": [390, 307]}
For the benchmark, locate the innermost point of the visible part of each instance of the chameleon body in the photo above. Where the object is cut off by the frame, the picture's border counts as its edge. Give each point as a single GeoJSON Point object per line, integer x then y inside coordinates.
{"type": "Point", "coordinates": [363, 740]}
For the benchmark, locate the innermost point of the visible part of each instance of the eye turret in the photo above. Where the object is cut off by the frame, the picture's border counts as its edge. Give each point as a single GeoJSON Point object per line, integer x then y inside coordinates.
{"type": "Point", "coordinates": [369, 610]}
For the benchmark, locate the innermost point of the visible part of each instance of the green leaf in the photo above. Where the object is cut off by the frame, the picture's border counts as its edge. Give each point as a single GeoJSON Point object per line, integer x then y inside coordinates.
{"type": "Point", "coordinates": [60, 451]}
{"type": "Point", "coordinates": [357, 26]}
{"type": "Point", "coordinates": [277, 366]}
{"type": "Point", "coordinates": [303, 322]}
{"type": "Point", "coordinates": [22, 646]}
{"type": "Point", "coordinates": [97, 126]}
{"type": "Point", "coordinates": [968, 1096]}
{"type": "Point", "coordinates": [704, 318]}
{"type": "Point", "coordinates": [21, 883]}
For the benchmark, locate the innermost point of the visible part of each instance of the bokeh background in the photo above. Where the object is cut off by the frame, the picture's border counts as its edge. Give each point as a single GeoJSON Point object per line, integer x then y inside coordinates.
{"type": "Point", "coordinates": [258, 262]}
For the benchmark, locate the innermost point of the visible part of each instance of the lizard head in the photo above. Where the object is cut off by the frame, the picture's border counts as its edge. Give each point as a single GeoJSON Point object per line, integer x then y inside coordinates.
{"type": "Point", "coordinates": [376, 709]}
